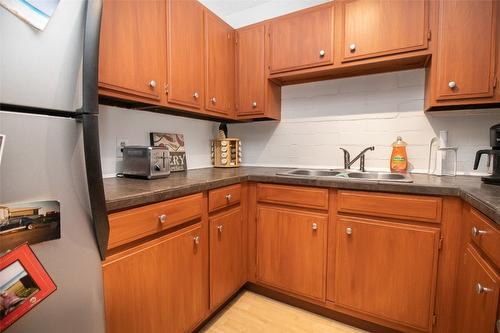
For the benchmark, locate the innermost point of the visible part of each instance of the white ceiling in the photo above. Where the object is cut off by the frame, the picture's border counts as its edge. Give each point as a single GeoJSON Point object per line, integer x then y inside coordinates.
{"type": "Point", "coordinates": [225, 8]}
{"type": "Point", "coordinates": [238, 13]}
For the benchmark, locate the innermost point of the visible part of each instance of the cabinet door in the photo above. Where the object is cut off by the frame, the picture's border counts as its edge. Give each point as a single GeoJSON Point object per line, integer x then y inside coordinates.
{"type": "Point", "coordinates": [477, 294]}
{"type": "Point", "coordinates": [250, 70]}
{"type": "Point", "coordinates": [184, 273]}
{"type": "Point", "coordinates": [380, 27]}
{"type": "Point", "coordinates": [160, 287]}
{"type": "Point", "coordinates": [291, 250]}
{"type": "Point", "coordinates": [131, 52]}
{"type": "Point", "coordinates": [219, 75]}
{"type": "Point", "coordinates": [185, 53]}
{"type": "Point", "coordinates": [387, 270]}
{"type": "Point", "coordinates": [226, 255]}
{"type": "Point", "coordinates": [133, 294]}
{"type": "Point", "coordinates": [301, 40]}
{"type": "Point", "coordinates": [466, 49]}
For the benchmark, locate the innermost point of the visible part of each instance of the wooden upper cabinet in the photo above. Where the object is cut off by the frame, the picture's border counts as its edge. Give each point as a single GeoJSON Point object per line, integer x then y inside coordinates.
{"type": "Point", "coordinates": [185, 53]}
{"type": "Point", "coordinates": [250, 70]}
{"type": "Point", "coordinates": [387, 270]}
{"type": "Point", "coordinates": [291, 250]}
{"type": "Point", "coordinates": [132, 49]}
{"type": "Point", "coordinates": [373, 28]}
{"type": "Point", "coordinates": [219, 63]}
{"type": "Point", "coordinates": [256, 97]}
{"type": "Point", "coordinates": [301, 40]}
{"type": "Point", "coordinates": [226, 255]}
{"type": "Point", "coordinates": [477, 294]}
{"type": "Point", "coordinates": [465, 57]}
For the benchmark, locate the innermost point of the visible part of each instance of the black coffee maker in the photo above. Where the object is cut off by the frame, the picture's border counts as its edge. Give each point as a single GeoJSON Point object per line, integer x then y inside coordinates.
{"type": "Point", "coordinates": [493, 156]}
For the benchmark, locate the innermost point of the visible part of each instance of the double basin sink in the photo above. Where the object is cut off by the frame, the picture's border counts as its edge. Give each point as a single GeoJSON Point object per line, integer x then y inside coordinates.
{"type": "Point", "coordinates": [349, 174]}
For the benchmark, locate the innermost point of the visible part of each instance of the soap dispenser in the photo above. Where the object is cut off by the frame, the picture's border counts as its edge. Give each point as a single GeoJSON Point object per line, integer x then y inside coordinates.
{"type": "Point", "coordinates": [399, 158]}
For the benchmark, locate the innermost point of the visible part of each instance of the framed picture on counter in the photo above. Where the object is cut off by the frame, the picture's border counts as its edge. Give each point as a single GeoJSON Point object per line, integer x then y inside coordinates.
{"type": "Point", "coordinates": [175, 144]}
{"type": "Point", "coordinates": [24, 283]}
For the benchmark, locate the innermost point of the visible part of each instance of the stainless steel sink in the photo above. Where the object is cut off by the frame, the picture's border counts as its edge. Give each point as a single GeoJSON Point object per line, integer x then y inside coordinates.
{"type": "Point", "coordinates": [311, 172]}
{"type": "Point", "coordinates": [350, 174]}
{"type": "Point", "coordinates": [381, 176]}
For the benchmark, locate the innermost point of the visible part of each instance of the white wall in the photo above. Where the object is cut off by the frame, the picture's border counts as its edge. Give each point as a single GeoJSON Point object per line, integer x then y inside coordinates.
{"type": "Point", "coordinates": [318, 118]}
{"type": "Point", "coordinates": [117, 123]}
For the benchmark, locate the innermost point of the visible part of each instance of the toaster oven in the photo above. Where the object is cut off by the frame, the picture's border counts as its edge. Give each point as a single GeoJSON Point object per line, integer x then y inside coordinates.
{"type": "Point", "coordinates": [146, 162]}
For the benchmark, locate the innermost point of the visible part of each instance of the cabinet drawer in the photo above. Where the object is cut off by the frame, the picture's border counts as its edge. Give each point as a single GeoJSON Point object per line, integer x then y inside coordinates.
{"type": "Point", "coordinates": [293, 195]}
{"type": "Point", "coordinates": [405, 207]}
{"type": "Point", "coordinates": [224, 197]}
{"type": "Point", "coordinates": [140, 222]}
{"type": "Point", "coordinates": [485, 235]}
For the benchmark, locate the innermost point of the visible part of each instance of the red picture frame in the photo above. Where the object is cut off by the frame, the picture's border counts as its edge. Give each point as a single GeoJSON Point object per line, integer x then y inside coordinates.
{"type": "Point", "coordinates": [24, 283]}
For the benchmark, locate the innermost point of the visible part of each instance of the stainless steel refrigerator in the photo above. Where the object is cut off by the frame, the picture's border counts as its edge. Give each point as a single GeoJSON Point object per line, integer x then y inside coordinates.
{"type": "Point", "coordinates": [48, 112]}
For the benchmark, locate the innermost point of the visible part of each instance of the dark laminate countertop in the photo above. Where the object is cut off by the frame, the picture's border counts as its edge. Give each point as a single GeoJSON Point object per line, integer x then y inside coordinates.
{"type": "Point", "coordinates": [124, 193]}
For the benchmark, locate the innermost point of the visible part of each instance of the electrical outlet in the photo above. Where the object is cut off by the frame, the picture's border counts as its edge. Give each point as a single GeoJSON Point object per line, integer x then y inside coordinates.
{"type": "Point", "coordinates": [120, 143]}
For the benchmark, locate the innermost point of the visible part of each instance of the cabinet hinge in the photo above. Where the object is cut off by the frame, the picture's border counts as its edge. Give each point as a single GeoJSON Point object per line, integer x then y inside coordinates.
{"type": "Point", "coordinates": [166, 89]}
{"type": "Point", "coordinates": [440, 245]}
{"type": "Point", "coordinates": [495, 81]}
{"type": "Point", "coordinates": [434, 319]}
{"type": "Point", "coordinates": [429, 35]}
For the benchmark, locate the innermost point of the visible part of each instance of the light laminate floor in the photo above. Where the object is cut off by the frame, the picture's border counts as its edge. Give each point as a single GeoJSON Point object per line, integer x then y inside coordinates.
{"type": "Point", "coordinates": [251, 312]}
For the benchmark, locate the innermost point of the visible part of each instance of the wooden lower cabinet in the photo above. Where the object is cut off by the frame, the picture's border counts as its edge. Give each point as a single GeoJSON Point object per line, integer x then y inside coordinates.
{"type": "Point", "coordinates": [477, 294]}
{"type": "Point", "coordinates": [226, 255]}
{"type": "Point", "coordinates": [387, 270]}
{"type": "Point", "coordinates": [291, 250]}
{"type": "Point", "coordinates": [159, 286]}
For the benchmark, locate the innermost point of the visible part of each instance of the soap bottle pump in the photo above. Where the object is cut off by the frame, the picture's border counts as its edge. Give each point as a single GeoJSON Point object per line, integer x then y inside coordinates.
{"type": "Point", "coordinates": [399, 158]}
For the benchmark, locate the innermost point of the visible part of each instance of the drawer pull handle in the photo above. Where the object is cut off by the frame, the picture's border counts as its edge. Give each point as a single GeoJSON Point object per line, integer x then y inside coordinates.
{"type": "Point", "coordinates": [348, 231]}
{"type": "Point", "coordinates": [196, 240]}
{"type": "Point", "coordinates": [322, 53]}
{"type": "Point", "coordinates": [219, 228]}
{"type": "Point", "coordinates": [477, 232]}
{"type": "Point", "coordinates": [162, 218]}
{"type": "Point", "coordinates": [352, 48]}
{"type": "Point", "coordinates": [228, 197]}
{"type": "Point", "coordinates": [315, 226]}
{"type": "Point", "coordinates": [480, 289]}
{"type": "Point", "coordinates": [196, 95]}
{"type": "Point", "coordinates": [452, 84]}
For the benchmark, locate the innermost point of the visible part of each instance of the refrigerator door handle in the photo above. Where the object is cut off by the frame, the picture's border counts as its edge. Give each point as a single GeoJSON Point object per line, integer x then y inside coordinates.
{"type": "Point", "coordinates": [89, 117]}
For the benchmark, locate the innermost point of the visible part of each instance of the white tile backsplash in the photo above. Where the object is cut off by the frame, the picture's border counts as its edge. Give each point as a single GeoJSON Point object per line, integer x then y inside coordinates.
{"type": "Point", "coordinates": [320, 117]}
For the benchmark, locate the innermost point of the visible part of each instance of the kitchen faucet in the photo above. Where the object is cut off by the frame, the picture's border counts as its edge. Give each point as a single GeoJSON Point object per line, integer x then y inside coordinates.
{"type": "Point", "coordinates": [361, 157]}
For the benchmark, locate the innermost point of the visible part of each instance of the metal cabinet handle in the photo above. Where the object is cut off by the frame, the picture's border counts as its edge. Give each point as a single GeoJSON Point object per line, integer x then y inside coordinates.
{"type": "Point", "coordinates": [213, 100]}
{"type": "Point", "coordinates": [348, 230]}
{"type": "Point", "coordinates": [352, 47]}
{"type": "Point", "coordinates": [152, 84]}
{"type": "Point", "coordinates": [228, 197]}
{"type": "Point", "coordinates": [322, 53]}
{"type": "Point", "coordinates": [254, 105]}
{"type": "Point", "coordinates": [314, 226]}
{"type": "Point", "coordinates": [452, 84]}
{"type": "Point", "coordinates": [219, 228]}
{"type": "Point", "coordinates": [162, 218]}
{"type": "Point", "coordinates": [480, 289]}
{"type": "Point", "coordinates": [196, 240]}
{"type": "Point", "coordinates": [477, 232]}
{"type": "Point", "coordinates": [196, 95]}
